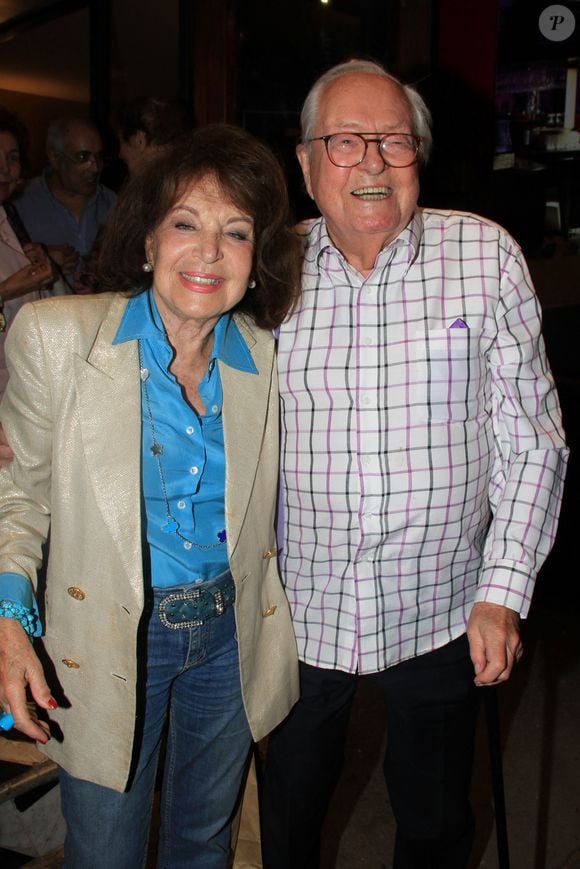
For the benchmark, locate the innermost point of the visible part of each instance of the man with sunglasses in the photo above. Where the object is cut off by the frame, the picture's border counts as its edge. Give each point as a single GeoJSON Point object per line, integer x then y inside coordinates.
{"type": "Point", "coordinates": [422, 468]}
{"type": "Point", "coordinates": [65, 207]}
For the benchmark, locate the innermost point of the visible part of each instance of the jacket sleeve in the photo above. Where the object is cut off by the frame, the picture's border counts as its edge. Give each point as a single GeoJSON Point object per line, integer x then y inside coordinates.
{"type": "Point", "coordinates": [26, 414]}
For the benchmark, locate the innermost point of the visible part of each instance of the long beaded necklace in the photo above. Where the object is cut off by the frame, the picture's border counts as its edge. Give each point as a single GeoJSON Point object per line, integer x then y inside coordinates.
{"type": "Point", "coordinates": [156, 449]}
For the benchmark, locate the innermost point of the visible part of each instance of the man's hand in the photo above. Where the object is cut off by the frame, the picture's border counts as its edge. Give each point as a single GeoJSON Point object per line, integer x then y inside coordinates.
{"type": "Point", "coordinates": [19, 668]}
{"type": "Point", "coordinates": [65, 256]}
{"type": "Point", "coordinates": [494, 642]}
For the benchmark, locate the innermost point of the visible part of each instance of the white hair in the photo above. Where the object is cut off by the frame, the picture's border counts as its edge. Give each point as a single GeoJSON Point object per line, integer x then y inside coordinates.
{"type": "Point", "coordinates": [420, 114]}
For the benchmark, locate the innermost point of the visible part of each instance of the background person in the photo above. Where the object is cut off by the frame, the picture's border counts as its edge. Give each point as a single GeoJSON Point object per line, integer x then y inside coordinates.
{"type": "Point", "coordinates": [422, 467]}
{"type": "Point", "coordinates": [146, 126]}
{"type": "Point", "coordinates": [145, 430]}
{"type": "Point", "coordinates": [65, 207]}
{"type": "Point", "coordinates": [25, 273]}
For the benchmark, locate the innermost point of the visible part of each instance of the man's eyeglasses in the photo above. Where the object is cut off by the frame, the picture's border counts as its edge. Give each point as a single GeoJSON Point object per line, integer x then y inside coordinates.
{"type": "Point", "coordinates": [346, 150]}
{"type": "Point", "coordinates": [79, 158]}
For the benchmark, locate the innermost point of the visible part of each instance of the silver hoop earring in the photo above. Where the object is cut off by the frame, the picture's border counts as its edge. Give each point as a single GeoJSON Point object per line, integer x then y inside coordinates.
{"type": "Point", "coordinates": [147, 267]}
{"type": "Point", "coordinates": [252, 284]}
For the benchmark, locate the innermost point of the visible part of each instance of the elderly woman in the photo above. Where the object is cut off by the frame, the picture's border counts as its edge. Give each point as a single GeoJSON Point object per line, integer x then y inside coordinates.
{"type": "Point", "coordinates": [25, 271]}
{"type": "Point", "coordinates": [145, 430]}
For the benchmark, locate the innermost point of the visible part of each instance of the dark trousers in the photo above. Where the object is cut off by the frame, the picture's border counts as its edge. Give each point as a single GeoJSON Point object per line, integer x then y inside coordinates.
{"type": "Point", "coordinates": [431, 715]}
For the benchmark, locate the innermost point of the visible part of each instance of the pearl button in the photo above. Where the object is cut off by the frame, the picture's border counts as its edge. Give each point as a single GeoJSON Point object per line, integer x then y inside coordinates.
{"type": "Point", "coordinates": [214, 408]}
{"type": "Point", "coordinates": [181, 505]}
{"type": "Point", "coordinates": [187, 544]}
{"type": "Point", "coordinates": [194, 470]}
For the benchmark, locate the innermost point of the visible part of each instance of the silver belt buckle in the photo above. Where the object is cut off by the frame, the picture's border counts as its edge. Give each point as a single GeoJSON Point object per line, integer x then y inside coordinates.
{"type": "Point", "coordinates": [173, 598]}
{"type": "Point", "coordinates": [220, 603]}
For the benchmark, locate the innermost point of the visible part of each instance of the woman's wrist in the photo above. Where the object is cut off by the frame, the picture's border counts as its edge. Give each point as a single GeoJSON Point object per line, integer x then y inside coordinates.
{"type": "Point", "coordinates": [10, 609]}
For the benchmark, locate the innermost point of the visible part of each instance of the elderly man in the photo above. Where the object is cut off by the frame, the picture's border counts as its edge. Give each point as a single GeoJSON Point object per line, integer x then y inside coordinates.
{"type": "Point", "coordinates": [65, 207]}
{"type": "Point", "coordinates": [422, 467]}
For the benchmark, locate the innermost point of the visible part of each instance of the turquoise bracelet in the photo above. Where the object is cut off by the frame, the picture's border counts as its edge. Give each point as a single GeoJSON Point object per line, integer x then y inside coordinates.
{"type": "Point", "coordinates": [11, 610]}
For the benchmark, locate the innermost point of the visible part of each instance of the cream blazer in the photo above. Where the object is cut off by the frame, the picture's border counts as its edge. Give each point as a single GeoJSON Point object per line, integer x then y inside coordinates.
{"type": "Point", "coordinates": [72, 415]}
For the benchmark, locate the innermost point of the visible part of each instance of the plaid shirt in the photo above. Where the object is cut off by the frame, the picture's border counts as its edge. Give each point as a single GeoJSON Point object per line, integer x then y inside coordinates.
{"type": "Point", "coordinates": [423, 457]}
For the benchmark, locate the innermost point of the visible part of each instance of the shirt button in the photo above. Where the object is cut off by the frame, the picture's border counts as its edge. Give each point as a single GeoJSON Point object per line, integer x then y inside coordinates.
{"type": "Point", "coordinates": [366, 399]}
{"type": "Point", "coordinates": [189, 430]}
{"type": "Point", "coordinates": [181, 505]}
{"type": "Point", "coordinates": [194, 470]}
{"type": "Point", "coordinates": [187, 544]}
{"type": "Point", "coordinates": [368, 341]}
{"type": "Point", "coordinates": [214, 408]}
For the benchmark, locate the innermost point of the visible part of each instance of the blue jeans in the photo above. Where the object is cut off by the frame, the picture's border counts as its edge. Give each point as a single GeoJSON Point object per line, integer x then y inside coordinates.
{"type": "Point", "coordinates": [193, 683]}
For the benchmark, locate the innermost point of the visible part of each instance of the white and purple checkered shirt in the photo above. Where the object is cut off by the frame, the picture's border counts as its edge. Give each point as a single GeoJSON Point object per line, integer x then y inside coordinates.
{"type": "Point", "coordinates": [423, 457]}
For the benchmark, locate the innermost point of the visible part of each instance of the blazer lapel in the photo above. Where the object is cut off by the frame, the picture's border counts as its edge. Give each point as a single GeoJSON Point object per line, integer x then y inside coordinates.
{"type": "Point", "coordinates": [245, 408]}
{"type": "Point", "coordinates": [109, 401]}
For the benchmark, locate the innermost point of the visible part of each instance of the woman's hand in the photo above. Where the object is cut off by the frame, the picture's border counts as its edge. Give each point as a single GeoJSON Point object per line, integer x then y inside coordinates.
{"type": "Point", "coordinates": [26, 280]}
{"type": "Point", "coordinates": [6, 453]}
{"type": "Point", "coordinates": [35, 253]}
{"type": "Point", "coordinates": [19, 668]}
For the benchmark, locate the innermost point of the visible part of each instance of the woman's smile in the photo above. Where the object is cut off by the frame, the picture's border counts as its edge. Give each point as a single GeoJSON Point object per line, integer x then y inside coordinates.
{"type": "Point", "coordinates": [201, 283]}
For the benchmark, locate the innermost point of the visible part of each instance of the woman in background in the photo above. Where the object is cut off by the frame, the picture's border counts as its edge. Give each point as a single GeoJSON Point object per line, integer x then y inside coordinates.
{"type": "Point", "coordinates": [146, 126]}
{"type": "Point", "coordinates": [25, 272]}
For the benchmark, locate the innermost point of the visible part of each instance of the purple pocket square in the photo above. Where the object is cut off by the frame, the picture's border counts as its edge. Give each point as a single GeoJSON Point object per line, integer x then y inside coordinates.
{"type": "Point", "coordinates": [459, 324]}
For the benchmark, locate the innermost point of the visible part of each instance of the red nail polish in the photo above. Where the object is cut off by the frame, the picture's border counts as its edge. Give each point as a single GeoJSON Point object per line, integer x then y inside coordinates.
{"type": "Point", "coordinates": [52, 704]}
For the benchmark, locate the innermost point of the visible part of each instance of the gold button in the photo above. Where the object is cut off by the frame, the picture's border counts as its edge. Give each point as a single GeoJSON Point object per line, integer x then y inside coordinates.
{"type": "Point", "coordinates": [269, 611]}
{"type": "Point", "coordinates": [75, 592]}
{"type": "Point", "coordinates": [268, 553]}
{"type": "Point", "coordinates": [68, 662]}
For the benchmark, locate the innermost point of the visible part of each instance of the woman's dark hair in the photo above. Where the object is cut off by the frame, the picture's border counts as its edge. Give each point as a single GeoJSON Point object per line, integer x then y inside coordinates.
{"type": "Point", "coordinates": [160, 120]}
{"type": "Point", "coordinates": [249, 175]}
{"type": "Point", "coordinates": [10, 123]}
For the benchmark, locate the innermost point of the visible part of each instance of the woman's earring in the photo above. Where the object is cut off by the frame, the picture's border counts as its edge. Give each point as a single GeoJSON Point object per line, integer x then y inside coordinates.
{"type": "Point", "coordinates": [147, 267]}
{"type": "Point", "coordinates": [252, 284]}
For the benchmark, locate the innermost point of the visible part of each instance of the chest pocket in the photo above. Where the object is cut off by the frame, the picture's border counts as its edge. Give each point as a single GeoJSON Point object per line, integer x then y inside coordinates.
{"type": "Point", "coordinates": [449, 374]}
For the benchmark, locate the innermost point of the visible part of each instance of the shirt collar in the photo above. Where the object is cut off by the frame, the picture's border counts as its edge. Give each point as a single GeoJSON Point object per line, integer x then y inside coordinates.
{"type": "Point", "coordinates": [141, 320]}
{"type": "Point", "coordinates": [319, 241]}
